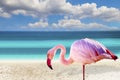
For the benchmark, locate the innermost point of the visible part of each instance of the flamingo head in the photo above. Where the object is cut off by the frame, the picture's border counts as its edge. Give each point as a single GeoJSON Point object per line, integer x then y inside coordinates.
{"type": "Point", "coordinates": [113, 56]}
{"type": "Point", "coordinates": [50, 56]}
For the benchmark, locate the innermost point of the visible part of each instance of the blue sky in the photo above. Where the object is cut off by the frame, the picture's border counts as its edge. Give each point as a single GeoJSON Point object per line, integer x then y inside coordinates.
{"type": "Point", "coordinates": [59, 15]}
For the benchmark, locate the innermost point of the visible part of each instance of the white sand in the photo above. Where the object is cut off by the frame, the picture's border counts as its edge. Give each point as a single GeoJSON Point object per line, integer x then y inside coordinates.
{"type": "Point", "coordinates": [38, 70]}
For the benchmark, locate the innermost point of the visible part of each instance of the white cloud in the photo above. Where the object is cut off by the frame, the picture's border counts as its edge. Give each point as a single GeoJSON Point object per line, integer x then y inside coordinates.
{"type": "Point", "coordinates": [73, 13]}
{"type": "Point", "coordinates": [44, 8]}
{"type": "Point", "coordinates": [78, 25]}
{"type": "Point", "coordinates": [108, 14]}
{"type": "Point", "coordinates": [4, 14]}
{"type": "Point", "coordinates": [90, 10]}
{"type": "Point", "coordinates": [68, 23]}
{"type": "Point", "coordinates": [39, 24]}
{"type": "Point", "coordinates": [35, 8]}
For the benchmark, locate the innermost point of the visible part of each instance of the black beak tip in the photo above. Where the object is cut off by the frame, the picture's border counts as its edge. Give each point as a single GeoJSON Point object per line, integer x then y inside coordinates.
{"type": "Point", "coordinates": [50, 67]}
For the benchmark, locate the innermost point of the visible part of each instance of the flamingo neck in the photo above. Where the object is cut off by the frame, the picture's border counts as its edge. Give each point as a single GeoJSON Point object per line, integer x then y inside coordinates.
{"type": "Point", "coordinates": [62, 55]}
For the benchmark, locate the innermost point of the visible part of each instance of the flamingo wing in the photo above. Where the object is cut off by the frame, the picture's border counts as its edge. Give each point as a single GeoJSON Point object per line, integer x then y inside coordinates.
{"type": "Point", "coordinates": [88, 51]}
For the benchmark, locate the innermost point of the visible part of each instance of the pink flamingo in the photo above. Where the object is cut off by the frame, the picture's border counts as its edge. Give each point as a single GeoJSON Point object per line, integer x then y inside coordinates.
{"type": "Point", "coordinates": [84, 51]}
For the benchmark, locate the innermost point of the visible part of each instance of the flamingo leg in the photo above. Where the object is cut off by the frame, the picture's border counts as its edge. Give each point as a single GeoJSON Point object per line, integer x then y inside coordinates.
{"type": "Point", "coordinates": [83, 72]}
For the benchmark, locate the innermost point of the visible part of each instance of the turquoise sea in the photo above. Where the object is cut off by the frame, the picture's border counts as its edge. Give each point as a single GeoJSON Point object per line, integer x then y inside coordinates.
{"type": "Point", "coordinates": [34, 45]}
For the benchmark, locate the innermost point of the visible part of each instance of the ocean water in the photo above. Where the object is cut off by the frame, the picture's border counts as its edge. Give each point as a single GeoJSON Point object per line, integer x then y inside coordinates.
{"type": "Point", "coordinates": [34, 45]}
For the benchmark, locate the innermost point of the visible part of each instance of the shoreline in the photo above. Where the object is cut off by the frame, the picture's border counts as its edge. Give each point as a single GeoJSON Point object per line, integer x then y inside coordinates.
{"type": "Point", "coordinates": [43, 60]}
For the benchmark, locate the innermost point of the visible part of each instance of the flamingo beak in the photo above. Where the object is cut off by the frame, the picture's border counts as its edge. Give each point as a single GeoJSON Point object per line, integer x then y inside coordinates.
{"type": "Point", "coordinates": [49, 63]}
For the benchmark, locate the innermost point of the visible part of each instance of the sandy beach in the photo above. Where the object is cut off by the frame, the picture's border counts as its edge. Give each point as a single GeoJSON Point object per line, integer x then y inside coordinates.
{"type": "Point", "coordinates": [38, 70]}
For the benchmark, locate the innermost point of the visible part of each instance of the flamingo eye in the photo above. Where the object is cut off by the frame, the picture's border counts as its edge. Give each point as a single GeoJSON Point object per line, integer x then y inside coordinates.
{"type": "Point", "coordinates": [50, 55]}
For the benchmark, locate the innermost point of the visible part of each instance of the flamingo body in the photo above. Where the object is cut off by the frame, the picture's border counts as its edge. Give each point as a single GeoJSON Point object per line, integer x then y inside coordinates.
{"type": "Point", "coordinates": [88, 51]}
